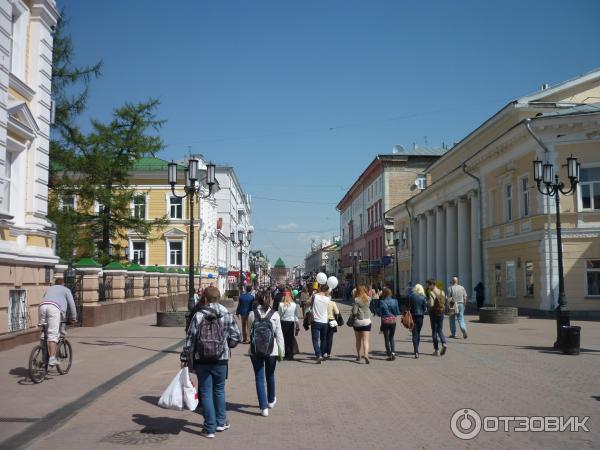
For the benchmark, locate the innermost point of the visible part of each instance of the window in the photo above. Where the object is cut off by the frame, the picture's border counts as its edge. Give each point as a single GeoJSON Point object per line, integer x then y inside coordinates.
{"type": "Point", "coordinates": [139, 252]}
{"type": "Point", "coordinates": [68, 202]}
{"type": "Point", "coordinates": [510, 279]}
{"type": "Point", "coordinates": [508, 203]}
{"type": "Point", "coordinates": [593, 277]}
{"type": "Point", "coordinates": [18, 312]}
{"type": "Point", "coordinates": [589, 188]}
{"type": "Point", "coordinates": [421, 181]}
{"type": "Point", "coordinates": [20, 23]}
{"type": "Point", "coordinates": [5, 183]}
{"type": "Point", "coordinates": [139, 206]}
{"type": "Point", "coordinates": [529, 286]}
{"type": "Point", "coordinates": [175, 208]}
{"type": "Point", "coordinates": [175, 253]}
{"type": "Point", "coordinates": [498, 280]}
{"type": "Point", "coordinates": [525, 197]}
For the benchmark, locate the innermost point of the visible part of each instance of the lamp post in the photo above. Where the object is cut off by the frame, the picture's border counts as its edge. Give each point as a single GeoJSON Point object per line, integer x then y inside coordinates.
{"type": "Point", "coordinates": [192, 191]}
{"type": "Point", "coordinates": [548, 183]}
{"type": "Point", "coordinates": [394, 238]}
{"type": "Point", "coordinates": [240, 243]}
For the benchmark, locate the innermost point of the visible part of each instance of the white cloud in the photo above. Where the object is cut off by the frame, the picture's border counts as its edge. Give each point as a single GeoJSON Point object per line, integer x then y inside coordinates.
{"type": "Point", "coordinates": [286, 226]}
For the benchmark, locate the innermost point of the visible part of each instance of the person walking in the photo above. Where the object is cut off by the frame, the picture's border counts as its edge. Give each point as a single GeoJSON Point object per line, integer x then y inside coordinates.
{"type": "Point", "coordinates": [209, 358]}
{"type": "Point", "coordinates": [479, 295]}
{"type": "Point", "coordinates": [457, 299]}
{"type": "Point", "coordinates": [304, 300]}
{"type": "Point", "coordinates": [388, 310]}
{"type": "Point", "coordinates": [418, 306]}
{"type": "Point", "coordinates": [319, 305]}
{"type": "Point", "coordinates": [288, 313]}
{"type": "Point", "coordinates": [332, 314]}
{"type": "Point", "coordinates": [362, 322]}
{"type": "Point", "coordinates": [267, 347]}
{"type": "Point", "coordinates": [243, 309]}
{"type": "Point", "coordinates": [436, 301]}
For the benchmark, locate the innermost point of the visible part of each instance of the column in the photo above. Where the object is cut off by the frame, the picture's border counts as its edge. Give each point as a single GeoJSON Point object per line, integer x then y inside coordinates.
{"type": "Point", "coordinates": [162, 284]}
{"type": "Point", "coordinates": [440, 244]}
{"type": "Point", "coordinates": [414, 251]}
{"type": "Point", "coordinates": [464, 245]}
{"type": "Point", "coordinates": [451, 243]}
{"type": "Point", "coordinates": [117, 283]}
{"type": "Point", "coordinates": [477, 271]}
{"type": "Point", "coordinates": [422, 249]}
{"type": "Point", "coordinates": [431, 245]}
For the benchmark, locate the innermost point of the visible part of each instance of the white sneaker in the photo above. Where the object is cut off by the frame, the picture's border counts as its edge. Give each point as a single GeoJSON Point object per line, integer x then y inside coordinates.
{"type": "Point", "coordinates": [225, 427]}
{"type": "Point", "coordinates": [52, 361]}
{"type": "Point", "coordinates": [264, 413]}
{"type": "Point", "coordinates": [273, 404]}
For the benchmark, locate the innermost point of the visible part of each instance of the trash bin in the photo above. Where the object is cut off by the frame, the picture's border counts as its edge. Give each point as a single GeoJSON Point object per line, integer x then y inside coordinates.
{"type": "Point", "coordinates": [570, 340]}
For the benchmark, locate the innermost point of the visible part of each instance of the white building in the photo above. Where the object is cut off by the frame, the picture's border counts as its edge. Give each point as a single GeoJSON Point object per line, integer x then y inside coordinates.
{"type": "Point", "coordinates": [26, 236]}
{"type": "Point", "coordinates": [233, 207]}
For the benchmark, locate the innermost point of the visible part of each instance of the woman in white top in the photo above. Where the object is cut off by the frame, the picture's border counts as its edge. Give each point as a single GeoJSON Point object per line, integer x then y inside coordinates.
{"type": "Point", "coordinates": [288, 312]}
{"type": "Point", "coordinates": [264, 366]}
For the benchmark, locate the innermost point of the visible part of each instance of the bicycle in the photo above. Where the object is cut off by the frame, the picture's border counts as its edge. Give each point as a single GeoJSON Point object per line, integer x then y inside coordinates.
{"type": "Point", "coordinates": [39, 357]}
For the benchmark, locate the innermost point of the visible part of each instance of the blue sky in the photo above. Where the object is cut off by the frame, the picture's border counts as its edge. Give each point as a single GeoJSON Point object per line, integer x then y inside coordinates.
{"type": "Point", "coordinates": [299, 96]}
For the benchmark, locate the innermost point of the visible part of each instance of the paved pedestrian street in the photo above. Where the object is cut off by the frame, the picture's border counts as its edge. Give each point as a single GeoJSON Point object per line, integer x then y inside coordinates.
{"type": "Point", "coordinates": [109, 399]}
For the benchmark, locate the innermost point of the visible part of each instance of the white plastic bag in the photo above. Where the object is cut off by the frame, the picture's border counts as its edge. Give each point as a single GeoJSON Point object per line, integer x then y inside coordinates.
{"type": "Point", "coordinates": [172, 397]}
{"type": "Point", "coordinates": [190, 395]}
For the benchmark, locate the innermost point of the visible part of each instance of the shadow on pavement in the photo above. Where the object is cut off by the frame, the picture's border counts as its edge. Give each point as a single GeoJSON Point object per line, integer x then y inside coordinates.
{"type": "Point", "coordinates": [241, 408]}
{"type": "Point", "coordinates": [21, 372]}
{"type": "Point", "coordinates": [554, 351]}
{"type": "Point", "coordinates": [163, 425]}
{"type": "Point", "coordinates": [125, 344]}
{"type": "Point", "coordinates": [152, 399]}
{"type": "Point", "coordinates": [596, 397]}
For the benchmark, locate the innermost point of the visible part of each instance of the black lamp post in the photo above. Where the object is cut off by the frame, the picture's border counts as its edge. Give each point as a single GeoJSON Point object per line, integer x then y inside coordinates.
{"type": "Point", "coordinates": [192, 176]}
{"type": "Point", "coordinates": [240, 244]}
{"type": "Point", "coordinates": [548, 183]}
{"type": "Point", "coordinates": [394, 238]}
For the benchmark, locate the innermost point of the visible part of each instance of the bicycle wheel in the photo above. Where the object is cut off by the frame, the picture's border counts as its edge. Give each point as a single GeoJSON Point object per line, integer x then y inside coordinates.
{"type": "Point", "coordinates": [64, 354]}
{"type": "Point", "coordinates": [38, 364]}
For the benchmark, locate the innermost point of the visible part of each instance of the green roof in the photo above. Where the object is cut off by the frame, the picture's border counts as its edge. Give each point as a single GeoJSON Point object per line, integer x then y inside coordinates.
{"type": "Point", "coordinates": [115, 265]}
{"type": "Point", "coordinates": [280, 264]}
{"type": "Point", "coordinates": [152, 163]}
{"type": "Point", "coordinates": [85, 263]}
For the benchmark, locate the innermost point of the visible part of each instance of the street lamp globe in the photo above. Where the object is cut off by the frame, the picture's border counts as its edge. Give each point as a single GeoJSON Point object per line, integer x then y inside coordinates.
{"type": "Point", "coordinates": [193, 169]}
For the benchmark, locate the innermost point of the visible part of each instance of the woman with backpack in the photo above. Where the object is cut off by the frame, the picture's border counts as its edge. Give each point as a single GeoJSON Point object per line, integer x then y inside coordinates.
{"type": "Point", "coordinates": [266, 346]}
{"type": "Point", "coordinates": [288, 312]}
{"type": "Point", "coordinates": [362, 322]}
{"type": "Point", "coordinates": [436, 302]}
{"type": "Point", "coordinates": [418, 306]}
{"type": "Point", "coordinates": [388, 310]}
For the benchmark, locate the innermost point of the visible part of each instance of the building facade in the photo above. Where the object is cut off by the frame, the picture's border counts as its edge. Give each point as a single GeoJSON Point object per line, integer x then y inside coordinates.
{"type": "Point", "coordinates": [280, 274]}
{"type": "Point", "coordinates": [27, 255]}
{"type": "Point", "coordinates": [234, 208]}
{"type": "Point", "coordinates": [387, 181]}
{"type": "Point", "coordinates": [483, 219]}
{"type": "Point", "coordinates": [323, 257]}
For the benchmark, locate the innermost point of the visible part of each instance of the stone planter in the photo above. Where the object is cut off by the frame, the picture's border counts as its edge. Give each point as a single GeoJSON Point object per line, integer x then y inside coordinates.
{"type": "Point", "coordinates": [170, 318]}
{"type": "Point", "coordinates": [500, 314]}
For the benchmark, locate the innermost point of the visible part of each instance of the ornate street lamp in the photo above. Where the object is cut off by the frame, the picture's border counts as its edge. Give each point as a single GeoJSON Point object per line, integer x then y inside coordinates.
{"type": "Point", "coordinates": [393, 238]}
{"type": "Point", "coordinates": [193, 190]}
{"type": "Point", "coordinates": [548, 183]}
{"type": "Point", "coordinates": [240, 243]}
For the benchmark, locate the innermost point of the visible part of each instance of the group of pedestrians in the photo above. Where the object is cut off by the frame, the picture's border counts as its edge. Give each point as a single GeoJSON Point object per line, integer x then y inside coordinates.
{"type": "Point", "coordinates": [270, 323]}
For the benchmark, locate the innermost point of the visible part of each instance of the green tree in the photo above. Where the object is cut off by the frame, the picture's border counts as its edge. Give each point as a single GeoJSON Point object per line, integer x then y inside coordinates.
{"type": "Point", "coordinates": [105, 158]}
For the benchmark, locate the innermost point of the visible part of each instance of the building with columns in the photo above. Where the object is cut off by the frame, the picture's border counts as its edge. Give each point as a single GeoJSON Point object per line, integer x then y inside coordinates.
{"type": "Point", "coordinates": [27, 237]}
{"type": "Point", "coordinates": [389, 180]}
{"type": "Point", "coordinates": [483, 219]}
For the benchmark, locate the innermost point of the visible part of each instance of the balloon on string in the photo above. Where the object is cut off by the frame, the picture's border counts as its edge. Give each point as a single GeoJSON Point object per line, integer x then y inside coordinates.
{"type": "Point", "coordinates": [321, 278]}
{"type": "Point", "coordinates": [332, 282]}
{"type": "Point", "coordinates": [295, 293]}
{"type": "Point", "coordinates": [253, 276]}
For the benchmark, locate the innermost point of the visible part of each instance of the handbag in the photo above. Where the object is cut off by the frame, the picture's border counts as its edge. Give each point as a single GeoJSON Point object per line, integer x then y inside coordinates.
{"type": "Point", "coordinates": [407, 319]}
{"type": "Point", "coordinates": [339, 319]}
{"type": "Point", "coordinates": [350, 321]}
{"type": "Point", "coordinates": [388, 320]}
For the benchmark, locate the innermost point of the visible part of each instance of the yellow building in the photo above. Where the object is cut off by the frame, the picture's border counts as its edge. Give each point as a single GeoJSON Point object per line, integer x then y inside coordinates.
{"type": "Point", "coordinates": [483, 219]}
{"type": "Point", "coordinates": [27, 256]}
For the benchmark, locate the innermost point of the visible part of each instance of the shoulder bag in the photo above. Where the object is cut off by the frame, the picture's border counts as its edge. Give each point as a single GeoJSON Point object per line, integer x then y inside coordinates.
{"type": "Point", "coordinates": [407, 319]}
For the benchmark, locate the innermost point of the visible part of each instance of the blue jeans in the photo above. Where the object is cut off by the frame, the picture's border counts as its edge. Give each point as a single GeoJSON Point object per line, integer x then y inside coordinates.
{"type": "Point", "coordinates": [416, 332]}
{"type": "Point", "coordinates": [437, 329]}
{"type": "Point", "coordinates": [264, 367]}
{"type": "Point", "coordinates": [211, 383]}
{"type": "Point", "coordinates": [460, 316]}
{"type": "Point", "coordinates": [329, 339]}
{"type": "Point", "coordinates": [319, 338]}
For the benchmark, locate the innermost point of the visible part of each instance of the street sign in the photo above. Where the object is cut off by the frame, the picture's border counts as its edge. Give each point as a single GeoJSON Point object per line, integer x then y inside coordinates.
{"type": "Point", "coordinates": [363, 267]}
{"type": "Point", "coordinates": [376, 264]}
{"type": "Point", "coordinates": [386, 260]}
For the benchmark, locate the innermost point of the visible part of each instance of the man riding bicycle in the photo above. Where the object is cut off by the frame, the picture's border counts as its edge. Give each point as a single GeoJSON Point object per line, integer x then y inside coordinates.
{"type": "Point", "coordinates": [53, 309]}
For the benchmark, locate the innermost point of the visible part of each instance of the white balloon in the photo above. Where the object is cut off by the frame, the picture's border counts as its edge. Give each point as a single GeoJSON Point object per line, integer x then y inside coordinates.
{"type": "Point", "coordinates": [332, 282]}
{"type": "Point", "coordinates": [321, 278]}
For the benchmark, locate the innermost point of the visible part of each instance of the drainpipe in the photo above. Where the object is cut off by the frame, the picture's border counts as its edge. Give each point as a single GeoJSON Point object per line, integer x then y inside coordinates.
{"type": "Point", "coordinates": [480, 197]}
{"type": "Point", "coordinates": [552, 305]}
{"type": "Point", "coordinates": [412, 244]}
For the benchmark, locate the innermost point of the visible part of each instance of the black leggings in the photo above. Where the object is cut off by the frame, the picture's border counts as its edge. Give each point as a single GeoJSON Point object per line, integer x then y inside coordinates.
{"type": "Point", "coordinates": [416, 332]}
{"type": "Point", "coordinates": [389, 329]}
{"type": "Point", "coordinates": [288, 329]}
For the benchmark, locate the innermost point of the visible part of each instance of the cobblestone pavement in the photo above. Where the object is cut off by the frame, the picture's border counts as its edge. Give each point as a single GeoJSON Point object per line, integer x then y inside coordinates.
{"type": "Point", "coordinates": [500, 370]}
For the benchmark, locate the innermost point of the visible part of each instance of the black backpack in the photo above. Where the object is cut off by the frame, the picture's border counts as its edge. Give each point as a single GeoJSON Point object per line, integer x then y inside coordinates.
{"type": "Point", "coordinates": [262, 335]}
{"type": "Point", "coordinates": [210, 344]}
